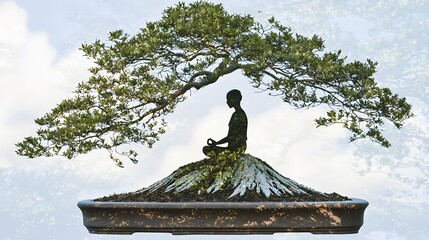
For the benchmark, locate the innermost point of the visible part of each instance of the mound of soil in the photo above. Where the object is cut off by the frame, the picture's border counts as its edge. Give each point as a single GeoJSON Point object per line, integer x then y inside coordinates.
{"type": "Point", "coordinates": [229, 179]}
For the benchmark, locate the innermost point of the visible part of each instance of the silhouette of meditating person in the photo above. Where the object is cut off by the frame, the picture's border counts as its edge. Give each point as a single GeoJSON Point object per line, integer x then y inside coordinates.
{"type": "Point", "coordinates": [237, 133]}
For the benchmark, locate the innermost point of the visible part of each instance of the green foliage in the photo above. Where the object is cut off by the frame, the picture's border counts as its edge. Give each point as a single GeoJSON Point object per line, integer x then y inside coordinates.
{"type": "Point", "coordinates": [139, 79]}
{"type": "Point", "coordinates": [215, 169]}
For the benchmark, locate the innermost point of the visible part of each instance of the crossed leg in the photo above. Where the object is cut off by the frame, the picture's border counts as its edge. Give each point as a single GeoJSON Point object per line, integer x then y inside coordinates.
{"type": "Point", "coordinates": [208, 150]}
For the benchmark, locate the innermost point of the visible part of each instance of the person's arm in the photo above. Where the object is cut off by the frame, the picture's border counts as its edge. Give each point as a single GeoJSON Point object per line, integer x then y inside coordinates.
{"type": "Point", "coordinates": [212, 142]}
{"type": "Point", "coordinates": [232, 124]}
{"type": "Point", "coordinates": [222, 141]}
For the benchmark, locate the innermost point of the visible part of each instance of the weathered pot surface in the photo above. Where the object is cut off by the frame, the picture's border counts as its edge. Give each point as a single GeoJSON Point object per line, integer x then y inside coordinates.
{"type": "Point", "coordinates": [339, 217]}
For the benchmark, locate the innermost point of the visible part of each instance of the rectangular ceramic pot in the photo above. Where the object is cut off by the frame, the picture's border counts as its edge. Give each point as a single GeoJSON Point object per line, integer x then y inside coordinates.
{"type": "Point", "coordinates": [223, 217]}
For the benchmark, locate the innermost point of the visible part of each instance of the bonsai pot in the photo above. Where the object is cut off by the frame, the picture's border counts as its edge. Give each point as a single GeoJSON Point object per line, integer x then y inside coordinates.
{"type": "Point", "coordinates": [223, 217]}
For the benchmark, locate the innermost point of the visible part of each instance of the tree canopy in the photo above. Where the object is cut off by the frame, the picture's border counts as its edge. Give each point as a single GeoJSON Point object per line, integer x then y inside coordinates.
{"type": "Point", "coordinates": [137, 80]}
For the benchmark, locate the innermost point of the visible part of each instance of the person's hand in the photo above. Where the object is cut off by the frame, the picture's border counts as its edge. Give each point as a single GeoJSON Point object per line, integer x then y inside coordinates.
{"type": "Point", "coordinates": [211, 142]}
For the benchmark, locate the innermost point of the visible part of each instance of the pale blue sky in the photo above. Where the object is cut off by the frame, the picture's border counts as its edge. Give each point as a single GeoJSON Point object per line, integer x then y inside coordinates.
{"type": "Point", "coordinates": [40, 64]}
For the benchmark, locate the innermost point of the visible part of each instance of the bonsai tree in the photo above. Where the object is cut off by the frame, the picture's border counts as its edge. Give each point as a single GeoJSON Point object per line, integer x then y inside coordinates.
{"type": "Point", "coordinates": [137, 80]}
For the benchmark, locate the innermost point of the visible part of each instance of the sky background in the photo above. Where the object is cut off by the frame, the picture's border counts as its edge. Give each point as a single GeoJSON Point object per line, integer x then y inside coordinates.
{"type": "Point", "coordinates": [40, 64]}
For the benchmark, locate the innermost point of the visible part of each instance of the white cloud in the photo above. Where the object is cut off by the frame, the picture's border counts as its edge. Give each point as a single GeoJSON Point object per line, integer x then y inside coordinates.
{"type": "Point", "coordinates": [32, 81]}
{"type": "Point", "coordinates": [320, 157]}
{"type": "Point", "coordinates": [25, 66]}
{"type": "Point", "coordinates": [13, 24]}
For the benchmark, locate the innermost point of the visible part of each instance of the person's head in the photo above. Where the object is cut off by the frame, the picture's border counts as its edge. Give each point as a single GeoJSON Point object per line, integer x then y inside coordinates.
{"type": "Point", "coordinates": [233, 98]}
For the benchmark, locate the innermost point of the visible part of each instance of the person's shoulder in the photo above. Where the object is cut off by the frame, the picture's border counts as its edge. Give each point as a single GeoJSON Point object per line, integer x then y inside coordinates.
{"type": "Point", "coordinates": [240, 113]}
